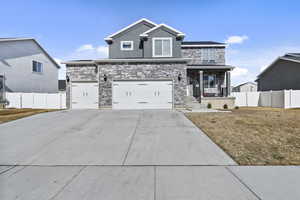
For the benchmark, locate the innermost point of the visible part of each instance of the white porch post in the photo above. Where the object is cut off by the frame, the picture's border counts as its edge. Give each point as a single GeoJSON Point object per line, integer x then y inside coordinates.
{"type": "Point", "coordinates": [201, 83]}
{"type": "Point", "coordinates": [228, 83]}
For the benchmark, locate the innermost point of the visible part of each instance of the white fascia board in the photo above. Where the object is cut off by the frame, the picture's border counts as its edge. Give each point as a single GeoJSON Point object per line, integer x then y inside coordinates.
{"type": "Point", "coordinates": [290, 59]}
{"type": "Point", "coordinates": [204, 45]}
{"type": "Point", "coordinates": [108, 38]}
{"type": "Point", "coordinates": [15, 39]}
{"type": "Point", "coordinates": [145, 34]}
{"type": "Point", "coordinates": [77, 62]}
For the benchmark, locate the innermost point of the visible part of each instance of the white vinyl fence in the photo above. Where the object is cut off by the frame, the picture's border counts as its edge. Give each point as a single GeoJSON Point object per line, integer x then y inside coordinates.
{"type": "Point", "coordinates": [36, 100]}
{"type": "Point", "coordinates": [275, 99]}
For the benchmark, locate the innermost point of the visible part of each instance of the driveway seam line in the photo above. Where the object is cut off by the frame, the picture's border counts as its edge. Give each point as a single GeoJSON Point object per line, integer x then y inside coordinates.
{"type": "Point", "coordinates": [9, 168]}
{"type": "Point", "coordinates": [67, 183]}
{"type": "Point", "coordinates": [155, 179]}
{"type": "Point", "coordinates": [132, 138]}
{"type": "Point", "coordinates": [243, 183]}
{"type": "Point", "coordinates": [38, 155]}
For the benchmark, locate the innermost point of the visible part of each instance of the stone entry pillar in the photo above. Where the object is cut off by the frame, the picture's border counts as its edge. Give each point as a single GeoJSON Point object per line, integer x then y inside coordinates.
{"type": "Point", "coordinates": [201, 83]}
{"type": "Point", "coordinates": [228, 83]}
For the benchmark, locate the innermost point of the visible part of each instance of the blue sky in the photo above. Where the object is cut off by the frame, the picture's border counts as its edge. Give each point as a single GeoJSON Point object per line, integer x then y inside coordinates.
{"type": "Point", "coordinates": [74, 29]}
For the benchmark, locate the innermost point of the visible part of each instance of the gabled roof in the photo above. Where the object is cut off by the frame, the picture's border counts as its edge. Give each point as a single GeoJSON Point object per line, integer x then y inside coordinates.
{"type": "Point", "coordinates": [293, 57]}
{"type": "Point", "coordinates": [178, 33]}
{"type": "Point", "coordinates": [110, 37]}
{"type": "Point", "coordinates": [252, 83]}
{"type": "Point", "coordinates": [202, 44]}
{"type": "Point", "coordinates": [23, 39]}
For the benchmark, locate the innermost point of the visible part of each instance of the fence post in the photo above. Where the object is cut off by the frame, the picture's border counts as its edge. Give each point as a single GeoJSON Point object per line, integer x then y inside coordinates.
{"type": "Point", "coordinates": [291, 91]}
{"type": "Point", "coordinates": [21, 101]}
{"type": "Point", "coordinates": [247, 99]}
{"type": "Point", "coordinates": [271, 99]}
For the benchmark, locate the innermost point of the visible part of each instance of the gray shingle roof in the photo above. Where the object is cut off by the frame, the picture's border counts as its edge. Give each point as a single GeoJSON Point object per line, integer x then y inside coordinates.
{"type": "Point", "coordinates": [201, 43]}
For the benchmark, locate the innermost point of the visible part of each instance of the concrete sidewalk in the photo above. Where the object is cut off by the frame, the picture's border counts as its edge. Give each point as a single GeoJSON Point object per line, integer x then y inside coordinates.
{"type": "Point", "coordinates": [150, 183]}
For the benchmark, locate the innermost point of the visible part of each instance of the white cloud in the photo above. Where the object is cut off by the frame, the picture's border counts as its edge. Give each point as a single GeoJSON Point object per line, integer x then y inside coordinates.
{"type": "Point", "coordinates": [88, 51]}
{"type": "Point", "coordinates": [235, 39]}
{"type": "Point", "coordinates": [85, 47]}
{"type": "Point", "coordinates": [254, 60]}
{"type": "Point", "coordinates": [84, 52]}
{"type": "Point", "coordinates": [238, 71]}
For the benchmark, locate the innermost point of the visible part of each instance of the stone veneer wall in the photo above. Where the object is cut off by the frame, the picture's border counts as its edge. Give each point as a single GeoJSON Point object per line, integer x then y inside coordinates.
{"type": "Point", "coordinates": [80, 72]}
{"type": "Point", "coordinates": [197, 55]}
{"type": "Point", "coordinates": [127, 71]}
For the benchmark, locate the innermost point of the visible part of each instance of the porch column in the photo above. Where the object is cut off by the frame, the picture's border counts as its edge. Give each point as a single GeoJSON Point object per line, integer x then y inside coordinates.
{"type": "Point", "coordinates": [228, 83]}
{"type": "Point", "coordinates": [201, 83]}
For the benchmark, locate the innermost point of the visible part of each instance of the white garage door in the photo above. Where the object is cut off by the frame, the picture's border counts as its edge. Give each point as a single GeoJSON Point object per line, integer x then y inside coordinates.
{"type": "Point", "coordinates": [85, 95]}
{"type": "Point", "coordinates": [142, 95]}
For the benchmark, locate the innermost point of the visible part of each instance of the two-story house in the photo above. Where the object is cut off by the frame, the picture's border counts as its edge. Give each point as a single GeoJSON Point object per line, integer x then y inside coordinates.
{"type": "Point", "coordinates": [26, 67]}
{"type": "Point", "coordinates": [150, 67]}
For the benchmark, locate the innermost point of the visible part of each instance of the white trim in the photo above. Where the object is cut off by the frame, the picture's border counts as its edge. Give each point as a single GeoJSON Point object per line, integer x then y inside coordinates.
{"type": "Point", "coordinates": [204, 45]}
{"type": "Point", "coordinates": [162, 38]}
{"type": "Point", "coordinates": [128, 60]}
{"type": "Point", "coordinates": [290, 59]}
{"type": "Point", "coordinates": [124, 49]}
{"type": "Point", "coordinates": [145, 34]}
{"type": "Point", "coordinates": [129, 26]}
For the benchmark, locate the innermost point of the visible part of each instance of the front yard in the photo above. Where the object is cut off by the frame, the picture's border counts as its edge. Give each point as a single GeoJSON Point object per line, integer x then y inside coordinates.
{"type": "Point", "coordinates": [7, 115]}
{"type": "Point", "coordinates": [254, 136]}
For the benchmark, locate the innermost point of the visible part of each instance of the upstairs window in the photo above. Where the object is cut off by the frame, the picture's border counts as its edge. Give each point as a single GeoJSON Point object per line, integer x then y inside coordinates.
{"type": "Point", "coordinates": [37, 66]}
{"type": "Point", "coordinates": [209, 55]}
{"type": "Point", "coordinates": [162, 47]}
{"type": "Point", "coordinates": [126, 45]}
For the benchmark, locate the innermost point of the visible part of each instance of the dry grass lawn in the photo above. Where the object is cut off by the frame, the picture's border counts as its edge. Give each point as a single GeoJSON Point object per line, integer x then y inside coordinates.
{"type": "Point", "coordinates": [7, 115]}
{"type": "Point", "coordinates": [255, 136]}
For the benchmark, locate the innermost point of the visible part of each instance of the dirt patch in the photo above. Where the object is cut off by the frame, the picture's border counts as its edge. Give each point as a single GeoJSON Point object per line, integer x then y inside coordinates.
{"type": "Point", "coordinates": [7, 115]}
{"type": "Point", "coordinates": [255, 136]}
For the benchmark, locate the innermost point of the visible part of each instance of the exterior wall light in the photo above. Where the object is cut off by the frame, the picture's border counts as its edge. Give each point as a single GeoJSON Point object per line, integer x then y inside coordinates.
{"type": "Point", "coordinates": [105, 77]}
{"type": "Point", "coordinates": [67, 79]}
{"type": "Point", "coordinates": [179, 77]}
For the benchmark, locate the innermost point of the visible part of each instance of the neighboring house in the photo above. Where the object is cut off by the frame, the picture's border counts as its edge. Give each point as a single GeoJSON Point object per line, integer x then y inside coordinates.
{"type": "Point", "coordinates": [2, 90]}
{"type": "Point", "coordinates": [282, 74]}
{"type": "Point", "coordinates": [245, 87]}
{"type": "Point", "coordinates": [150, 66]}
{"type": "Point", "coordinates": [27, 67]}
{"type": "Point", "coordinates": [62, 85]}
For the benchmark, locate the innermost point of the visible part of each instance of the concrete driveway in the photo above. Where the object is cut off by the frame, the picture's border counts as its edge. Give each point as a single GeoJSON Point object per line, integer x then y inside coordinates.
{"type": "Point", "coordinates": [93, 137]}
{"type": "Point", "coordinates": [128, 155]}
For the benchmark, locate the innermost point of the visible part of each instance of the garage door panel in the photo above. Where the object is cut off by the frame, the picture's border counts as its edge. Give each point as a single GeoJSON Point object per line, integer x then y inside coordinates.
{"type": "Point", "coordinates": [142, 95]}
{"type": "Point", "coordinates": [84, 95]}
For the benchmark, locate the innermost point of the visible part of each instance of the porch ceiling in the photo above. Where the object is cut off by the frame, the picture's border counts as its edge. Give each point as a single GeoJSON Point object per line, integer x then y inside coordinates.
{"type": "Point", "coordinates": [227, 67]}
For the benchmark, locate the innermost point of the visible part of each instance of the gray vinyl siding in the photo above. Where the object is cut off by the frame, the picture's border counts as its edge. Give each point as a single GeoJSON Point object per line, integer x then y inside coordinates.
{"type": "Point", "coordinates": [283, 75]}
{"type": "Point", "coordinates": [176, 44]}
{"type": "Point", "coordinates": [16, 64]}
{"type": "Point", "coordinates": [130, 35]}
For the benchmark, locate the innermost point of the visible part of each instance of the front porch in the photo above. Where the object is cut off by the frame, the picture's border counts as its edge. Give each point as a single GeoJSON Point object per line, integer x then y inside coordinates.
{"type": "Point", "coordinates": [210, 84]}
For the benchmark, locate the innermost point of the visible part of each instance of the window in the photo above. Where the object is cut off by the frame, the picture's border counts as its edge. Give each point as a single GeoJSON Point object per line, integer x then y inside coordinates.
{"type": "Point", "coordinates": [209, 55]}
{"type": "Point", "coordinates": [210, 81]}
{"type": "Point", "coordinates": [162, 47]}
{"type": "Point", "coordinates": [126, 45]}
{"type": "Point", "coordinates": [37, 67]}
